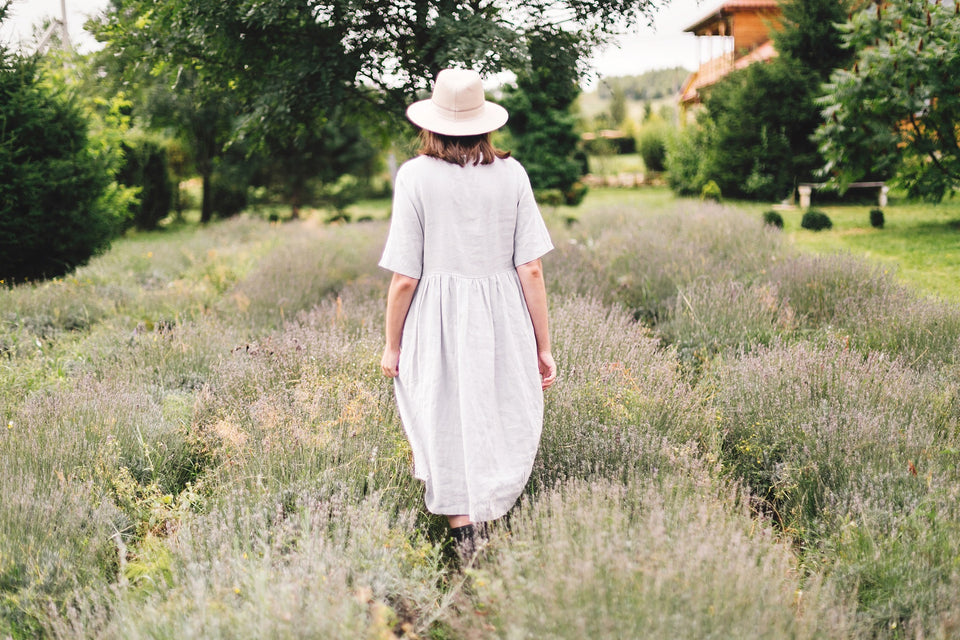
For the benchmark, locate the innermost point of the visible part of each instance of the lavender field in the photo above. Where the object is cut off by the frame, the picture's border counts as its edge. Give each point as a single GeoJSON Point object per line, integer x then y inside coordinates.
{"type": "Point", "coordinates": [744, 441]}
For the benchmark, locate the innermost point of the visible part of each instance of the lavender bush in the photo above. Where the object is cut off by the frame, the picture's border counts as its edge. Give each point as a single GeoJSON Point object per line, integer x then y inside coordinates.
{"type": "Point", "coordinates": [743, 442]}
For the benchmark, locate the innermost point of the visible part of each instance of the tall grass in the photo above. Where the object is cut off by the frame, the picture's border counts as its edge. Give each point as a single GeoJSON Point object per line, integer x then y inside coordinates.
{"type": "Point", "coordinates": [743, 442]}
{"type": "Point", "coordinates": [668, 556]}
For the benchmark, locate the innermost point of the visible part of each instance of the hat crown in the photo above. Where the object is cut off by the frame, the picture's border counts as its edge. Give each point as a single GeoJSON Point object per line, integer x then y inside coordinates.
{"type": "Point", "coordinates": [457, 106]}
{"type": "Point", "coordinates": [458, 91]}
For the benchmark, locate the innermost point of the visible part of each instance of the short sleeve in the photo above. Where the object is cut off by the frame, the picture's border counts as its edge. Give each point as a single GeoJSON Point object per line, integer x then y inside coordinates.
{"type": "Point", "coordinates": [531, 238]}
{"type": "Point", "coordinates": [403, 252]}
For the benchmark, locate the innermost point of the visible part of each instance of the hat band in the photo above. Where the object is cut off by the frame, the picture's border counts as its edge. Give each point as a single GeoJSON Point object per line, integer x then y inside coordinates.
{"type": "Point", "coordinates": [458, 115]}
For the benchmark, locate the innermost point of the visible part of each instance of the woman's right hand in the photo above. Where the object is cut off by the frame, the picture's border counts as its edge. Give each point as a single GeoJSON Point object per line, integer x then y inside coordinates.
{"type": "Point", "coordinates": [548, 369]}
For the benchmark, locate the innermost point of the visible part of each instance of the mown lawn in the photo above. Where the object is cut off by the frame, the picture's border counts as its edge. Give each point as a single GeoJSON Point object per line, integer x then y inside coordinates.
{"type": "Point", "coordinates": [920, 241]}
{"type": "Point", "coordinates": [746, 440]}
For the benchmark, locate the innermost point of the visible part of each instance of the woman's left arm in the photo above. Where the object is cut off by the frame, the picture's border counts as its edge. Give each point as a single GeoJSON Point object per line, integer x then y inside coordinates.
{"type": "Point", "coordinates": [399, 297]}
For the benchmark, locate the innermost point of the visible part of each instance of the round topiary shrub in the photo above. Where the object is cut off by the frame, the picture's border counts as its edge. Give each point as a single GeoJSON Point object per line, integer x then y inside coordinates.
{"type": "Point", "coordinates": [773, 219]}
{"type": "Point", "coordinates": [55, 206]}
{"type": "Point", "coordinates": [711, 191]}
{"type": "Point", "coordinates": [876, 218]}
{"type": "Point", "coordinates": [816, 220]}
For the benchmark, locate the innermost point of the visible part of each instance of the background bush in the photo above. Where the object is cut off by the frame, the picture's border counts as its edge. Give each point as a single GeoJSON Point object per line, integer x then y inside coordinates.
{"type": "Point", "coordinates": [682, 161]}
{"type": "Point", "coordinates": [652, 144]}
{"type": "Point", "coordinates": [772, 218]}
{"type": "Point", "coordinates": [711, 191]}
{"type": "Point", "coordinates": [145, 166]}
{"type": "Point", "coordinates": [876, 218]}
{"type": "Point", "coordinates": [816, 220]}
{"type": "Point", "coordinates": [56, 204]}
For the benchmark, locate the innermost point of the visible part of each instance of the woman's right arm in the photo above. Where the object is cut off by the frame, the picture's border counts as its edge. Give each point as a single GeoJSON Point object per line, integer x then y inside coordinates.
{"type": "Point", "coordinates": [535, 294]}
{"type": "Point", "coordinates": [399, 297]}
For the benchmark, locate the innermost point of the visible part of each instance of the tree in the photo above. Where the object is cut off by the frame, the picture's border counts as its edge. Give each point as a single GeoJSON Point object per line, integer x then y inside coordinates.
{"type": "Point", "coordinates": [289, 62]}
{"type": "Point", "coordinates": [541, 123]}
{"type": "Point", "coordinates": [56, 201]}
{"type": "Point", "coordinates": [618, 104]}
{"type": "Point", "coordinates": [320, 153]}
{"type": "Point", "coordinates": [758, 122]}
{"type": "Point", "coordinates": [896, 110]}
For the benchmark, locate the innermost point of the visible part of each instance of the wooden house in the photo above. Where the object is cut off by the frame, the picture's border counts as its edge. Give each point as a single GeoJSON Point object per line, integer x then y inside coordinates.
{"type": "Point", "coordinates": [735, 34]}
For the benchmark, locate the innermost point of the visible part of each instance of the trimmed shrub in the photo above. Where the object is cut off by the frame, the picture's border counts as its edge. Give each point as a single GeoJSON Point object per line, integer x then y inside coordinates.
{"type": "Point", "coordinates": [711, 191]}
{"type": "Point", "coordinates": [816, 220]}
{"type": "Point", "coordinates": [773, 219]}
{"type": "Point", "coordinates": [876, 218]}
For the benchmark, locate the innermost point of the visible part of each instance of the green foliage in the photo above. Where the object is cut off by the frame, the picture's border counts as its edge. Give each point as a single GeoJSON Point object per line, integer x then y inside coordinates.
{"type": "Point", "coordinates": [816, 220]}
{"type": "Point", "coordinates": [757, 124]}
{"type": "Point", "coordinates": [313, 165]}
{"type": "Point", "coordinates": [683, 161]}
{"type": "Point", "coordinates": [618, 105]}
{"type": "Point", "coordinates": [876, 218]}
{"type": "Point", "coordinates": [541, 124]}
{"type": "Point", "coordinates": [711, 191]}
{"type": "Point", "coordinates": [57, 205]}
{"type": "Point", "coordinates": [773, 219]}
{"type": "Point", "coordinates": [650, 85]}
{"type": "Point", "coordinates": [549, 197]}
{"type": "Point", "coordinates": [809, 35]}
{"type": "Point", "coordinates": [289, 63]}
{"type": "Point", "coordinates": [145, 167]}
{"type": "Point", "coordinates": [758, 121]}
{"type": "Point", "coordinates": [652, 142]}
{"type": "Point", "coordinates": [575, 194]}
{"type": "Point", "coordinates": [897, 110]}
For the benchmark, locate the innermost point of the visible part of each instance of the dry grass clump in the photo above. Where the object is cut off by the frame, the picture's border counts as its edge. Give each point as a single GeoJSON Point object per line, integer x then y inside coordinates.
{"type": "Point", "coordinates": [647, 261]}
{"type": "Point", "coordinates": [856, 457]}
{"type": "Point", "coordinates": [618, 397]}
{"type": "Point", "coordinates": [309, 563]}
{"type": "Point", "coordinates": [314, 264]}
{"type": "Point", "coordinates": [668, 556]}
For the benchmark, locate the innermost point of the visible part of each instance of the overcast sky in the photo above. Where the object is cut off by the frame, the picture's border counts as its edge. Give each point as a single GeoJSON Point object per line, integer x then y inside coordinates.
{"type": "Point", "coordinates": [641, 49]}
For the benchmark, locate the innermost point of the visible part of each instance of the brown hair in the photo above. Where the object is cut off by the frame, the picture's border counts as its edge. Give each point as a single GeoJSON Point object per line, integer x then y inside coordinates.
{"type": "Point", "coordinates": [460, 149]}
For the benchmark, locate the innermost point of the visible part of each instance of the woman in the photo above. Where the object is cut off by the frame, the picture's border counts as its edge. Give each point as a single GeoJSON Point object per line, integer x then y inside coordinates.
{"type": "Point", "coordinates": [467, 338]}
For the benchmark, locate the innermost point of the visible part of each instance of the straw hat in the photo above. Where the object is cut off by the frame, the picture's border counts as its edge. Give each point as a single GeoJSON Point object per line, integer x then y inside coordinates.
{"type": "Point", "coordinates": [457, 107]}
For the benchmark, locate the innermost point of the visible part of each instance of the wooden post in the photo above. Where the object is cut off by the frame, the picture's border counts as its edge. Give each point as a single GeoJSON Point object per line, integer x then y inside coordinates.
{"type": "Point", "coordinates": [65, 34]}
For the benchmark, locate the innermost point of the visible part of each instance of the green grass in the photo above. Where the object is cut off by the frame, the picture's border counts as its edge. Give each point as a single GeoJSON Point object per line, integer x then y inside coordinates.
{"type": "Point", "coordinates": [920, 241]}
{"type": "Point", "coordinates": [615, 164]}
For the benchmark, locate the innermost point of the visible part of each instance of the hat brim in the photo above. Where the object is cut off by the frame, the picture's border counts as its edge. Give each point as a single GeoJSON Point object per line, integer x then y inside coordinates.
{"type": "Point", "coordinates": [426, 115]}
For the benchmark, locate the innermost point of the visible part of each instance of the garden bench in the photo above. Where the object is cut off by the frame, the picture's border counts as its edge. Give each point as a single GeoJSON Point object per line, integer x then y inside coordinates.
{"type": "Point", "coordinates": [805, 189]}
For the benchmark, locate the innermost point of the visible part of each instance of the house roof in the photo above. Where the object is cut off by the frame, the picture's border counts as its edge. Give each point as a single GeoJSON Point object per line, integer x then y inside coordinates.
{"type": "Point", "coordinates": [731, 7]}
{"type": "Point", "coordinates": [710, 73]}
{"type": "Point", "coordinates": [764, 52]}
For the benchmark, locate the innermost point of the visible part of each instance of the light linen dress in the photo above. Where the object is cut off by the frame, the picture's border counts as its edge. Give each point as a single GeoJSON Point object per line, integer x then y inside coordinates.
{"type": "Point", "coordinates": [468, 390]}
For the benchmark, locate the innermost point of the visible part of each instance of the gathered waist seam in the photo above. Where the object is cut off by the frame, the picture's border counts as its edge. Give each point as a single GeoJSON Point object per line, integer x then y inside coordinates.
{"type": "Point", "coordinates": [467, 276]}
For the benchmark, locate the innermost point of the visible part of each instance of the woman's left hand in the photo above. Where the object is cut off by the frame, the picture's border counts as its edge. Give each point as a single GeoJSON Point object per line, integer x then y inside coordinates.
{"type": "Point", "coordinates": [390, 362]}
